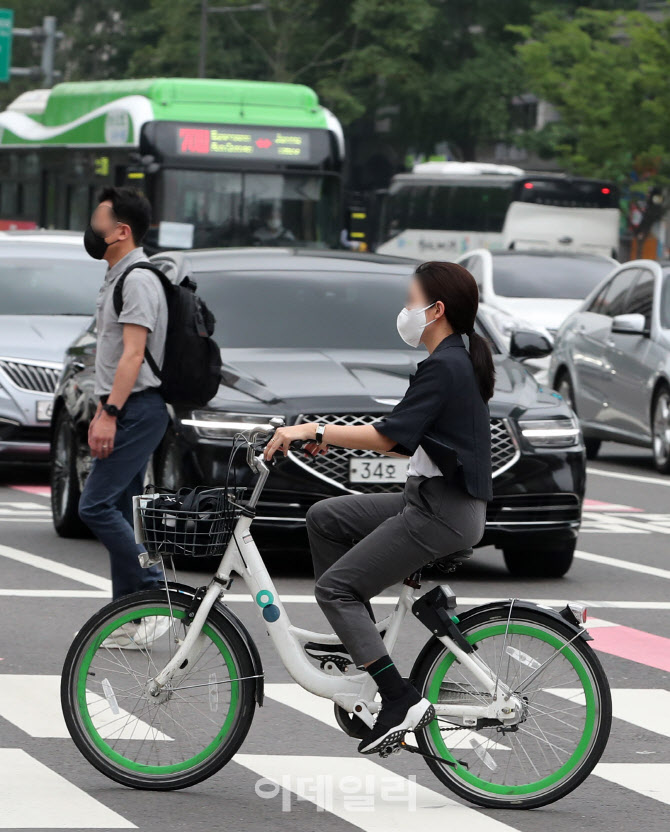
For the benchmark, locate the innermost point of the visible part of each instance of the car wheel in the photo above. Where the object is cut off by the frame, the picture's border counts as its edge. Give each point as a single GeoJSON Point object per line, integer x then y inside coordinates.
{"type": "Point", "coordinates": [592, 447]}
{"type": "Point", "coordinates": [65, 491]}
{"type": "Point", "coordinates": [660, 431]}
{"type": "Point", "coordinates": [564, 387]}
{"type": "Point", "coordinates": [540, 562]}
{"type": "Point", "coordinates": [169, 467]}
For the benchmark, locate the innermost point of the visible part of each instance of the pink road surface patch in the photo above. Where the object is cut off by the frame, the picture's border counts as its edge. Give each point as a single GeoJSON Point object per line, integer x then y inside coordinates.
{"type": "Point", "coordinates": [41, 490]}
{"type": "Point", "coordinates": [629, 643]}
{"type": "Point", "coordinates": [599, 505]}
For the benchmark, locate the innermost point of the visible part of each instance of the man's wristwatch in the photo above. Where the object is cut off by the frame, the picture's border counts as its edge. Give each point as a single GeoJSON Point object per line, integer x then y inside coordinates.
{"type": "Point", "coordinates": [111, 409]}
{"type": "Point", "coordinates": [319, 433]}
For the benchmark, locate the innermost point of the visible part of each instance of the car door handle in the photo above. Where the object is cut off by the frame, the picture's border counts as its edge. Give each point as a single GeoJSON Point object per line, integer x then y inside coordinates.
{"type": "Point", "coordinates": [610, 343]}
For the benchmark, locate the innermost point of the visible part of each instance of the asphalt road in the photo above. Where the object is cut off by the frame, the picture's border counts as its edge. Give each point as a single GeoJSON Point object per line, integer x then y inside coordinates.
{"type": "Point", "coordinates": [621, 572]}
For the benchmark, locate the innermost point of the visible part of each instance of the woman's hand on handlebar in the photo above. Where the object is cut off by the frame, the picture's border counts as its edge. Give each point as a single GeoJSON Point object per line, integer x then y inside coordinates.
{"type": "Point", "coordinates": [281, 441]}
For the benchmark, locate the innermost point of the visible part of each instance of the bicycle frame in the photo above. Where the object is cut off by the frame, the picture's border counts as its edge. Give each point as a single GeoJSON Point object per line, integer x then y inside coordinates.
{"type": "Point", "coordinates": [354, 693]}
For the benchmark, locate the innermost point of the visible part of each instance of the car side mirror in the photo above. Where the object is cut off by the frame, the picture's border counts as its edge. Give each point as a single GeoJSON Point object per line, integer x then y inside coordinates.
{"type": "Point", "coordinates": [630, 324]}
{"type": "Point", "coordinates": [527, 343]}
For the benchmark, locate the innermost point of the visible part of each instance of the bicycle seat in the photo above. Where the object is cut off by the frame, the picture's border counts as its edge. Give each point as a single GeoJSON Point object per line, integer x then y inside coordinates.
{"type": "Point", "coordinates": [452, 560]}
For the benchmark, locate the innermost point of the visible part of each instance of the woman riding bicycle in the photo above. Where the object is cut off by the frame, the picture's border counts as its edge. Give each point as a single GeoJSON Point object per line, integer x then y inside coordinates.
{"type": "Point", "coordinates": [363, 543]}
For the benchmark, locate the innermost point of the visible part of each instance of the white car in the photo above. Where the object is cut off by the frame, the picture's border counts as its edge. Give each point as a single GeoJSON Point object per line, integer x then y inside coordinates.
{"type": "Point", "coordinates": [537, 288]}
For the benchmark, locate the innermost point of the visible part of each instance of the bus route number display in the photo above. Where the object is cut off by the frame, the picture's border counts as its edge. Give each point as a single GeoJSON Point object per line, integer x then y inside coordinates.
{"type": "Point", "coordinates": [282, 145]}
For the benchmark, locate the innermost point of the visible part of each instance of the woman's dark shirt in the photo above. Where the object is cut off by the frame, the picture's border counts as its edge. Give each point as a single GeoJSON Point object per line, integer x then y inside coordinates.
{"type": "Point", "coordinates": [444, 412]}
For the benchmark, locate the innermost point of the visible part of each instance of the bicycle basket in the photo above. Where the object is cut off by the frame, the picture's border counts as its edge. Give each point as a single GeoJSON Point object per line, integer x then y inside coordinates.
{"type": "Point", "coordinates": [192, 522]}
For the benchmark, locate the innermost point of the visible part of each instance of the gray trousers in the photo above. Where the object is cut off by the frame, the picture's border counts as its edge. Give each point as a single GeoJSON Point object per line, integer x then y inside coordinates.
{"type": "Point", "coordinates": [363, 543]}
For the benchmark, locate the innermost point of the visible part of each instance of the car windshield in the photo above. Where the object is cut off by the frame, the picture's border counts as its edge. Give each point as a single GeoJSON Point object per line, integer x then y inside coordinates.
{"type": "Point", "coordinates": [533, 276]}
{"type": "Point", "coordinates": [305, 310]}
{"type": "Point", "coordinates": [49, 287]}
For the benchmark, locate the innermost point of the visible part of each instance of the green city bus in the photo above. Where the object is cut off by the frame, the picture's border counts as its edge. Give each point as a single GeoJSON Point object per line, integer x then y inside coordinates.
{"type": "Point", "coordinates": [223, 162]}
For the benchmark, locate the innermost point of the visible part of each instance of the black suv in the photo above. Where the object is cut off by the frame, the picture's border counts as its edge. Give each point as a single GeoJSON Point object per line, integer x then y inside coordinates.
{"type": "Point", "coordinates": [311, 336]}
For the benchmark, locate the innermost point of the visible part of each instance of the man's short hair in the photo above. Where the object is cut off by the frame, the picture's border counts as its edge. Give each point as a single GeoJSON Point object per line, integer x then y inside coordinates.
{"type": "Point", "coordinates": [131, 207]}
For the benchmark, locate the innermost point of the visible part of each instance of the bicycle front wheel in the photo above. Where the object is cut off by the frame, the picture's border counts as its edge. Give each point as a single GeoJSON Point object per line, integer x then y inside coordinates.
{"type": "Point", "coordinates": [178, 738]}
{"type": "Point", "coordinates": [568, 711]}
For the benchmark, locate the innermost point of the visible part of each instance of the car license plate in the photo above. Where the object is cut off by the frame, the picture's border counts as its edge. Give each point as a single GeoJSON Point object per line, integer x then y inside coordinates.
{"type": "Point", "coordinates": [377, 469]}
{"type": "Point", "coordinates": [43, 410]}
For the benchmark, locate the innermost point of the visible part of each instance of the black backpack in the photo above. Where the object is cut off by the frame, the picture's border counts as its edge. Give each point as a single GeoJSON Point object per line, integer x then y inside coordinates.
{"type": "Point", "coordinates": [191, 371]}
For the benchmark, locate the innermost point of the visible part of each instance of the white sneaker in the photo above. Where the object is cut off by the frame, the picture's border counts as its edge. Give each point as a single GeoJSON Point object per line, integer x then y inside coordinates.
{"type": "Point", "coordinates": [123, 637]}
{"type": "Point", "coordinates": [131, 636]}
{"type": "Point", "coordinates": [151, 629]}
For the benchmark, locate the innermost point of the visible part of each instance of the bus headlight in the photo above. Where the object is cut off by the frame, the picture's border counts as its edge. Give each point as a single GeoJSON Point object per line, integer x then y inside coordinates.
{"type": "Point", "coordinates": [219, 424]}
{"type": "Point", "coordinates": [551, 433]}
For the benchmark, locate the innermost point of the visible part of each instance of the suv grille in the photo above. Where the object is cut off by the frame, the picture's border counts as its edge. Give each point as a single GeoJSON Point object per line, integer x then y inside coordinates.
{"type": "Point", "coordinates": [40, 378]}
{"type": "Point", "coordinates": [334, 465]}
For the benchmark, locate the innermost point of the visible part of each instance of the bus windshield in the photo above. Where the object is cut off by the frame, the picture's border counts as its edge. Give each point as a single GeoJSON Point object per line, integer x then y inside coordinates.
{"type": "Point", "coordinates": [240, 208]}
{"type": "Point", "coordinates": [462, 206]}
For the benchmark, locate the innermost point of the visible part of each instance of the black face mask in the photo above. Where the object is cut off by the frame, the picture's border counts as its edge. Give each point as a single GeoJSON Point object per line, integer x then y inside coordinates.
{"type": "Point", "coordinates": [95, 244]}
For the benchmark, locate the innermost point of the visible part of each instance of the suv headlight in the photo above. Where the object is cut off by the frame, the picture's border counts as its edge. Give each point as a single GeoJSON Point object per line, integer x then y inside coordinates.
{"type": "Point", "coordinates": [219, 424]}
{"type": "Point", "coordinates": [551, 433]}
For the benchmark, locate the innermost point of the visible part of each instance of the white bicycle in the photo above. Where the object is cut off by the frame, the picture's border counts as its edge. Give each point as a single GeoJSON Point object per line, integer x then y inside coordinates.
{"type": "Point", "coordinates": [522, 704]}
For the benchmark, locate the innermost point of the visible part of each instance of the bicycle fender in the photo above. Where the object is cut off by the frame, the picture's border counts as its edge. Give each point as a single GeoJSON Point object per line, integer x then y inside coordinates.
{"type": "Point", "coordinates": [503, 606]}
{"type": "Point", "coordinates": [563, 616]}
{"type": "Point", "coordinates": [250, 644]}
{"type": "Point", "coordinates": [241, 631]}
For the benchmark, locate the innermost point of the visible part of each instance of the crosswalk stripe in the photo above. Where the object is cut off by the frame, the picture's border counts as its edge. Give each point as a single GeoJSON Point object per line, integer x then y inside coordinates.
{"type": "Point", "coordinates": [32, 703]}
{"type": "Point", "coordinates": [33, 796]}
{"type": "Point", "coordinates": [648, 779]}
{"type": "Point", "coordinates": [318, 707]}
{"type": "Point", "coordinates": [369, 796]}
{"type": "Point", "coordinates": [646, 708]}
{"type": "Point", "coordinates": [79, 575]}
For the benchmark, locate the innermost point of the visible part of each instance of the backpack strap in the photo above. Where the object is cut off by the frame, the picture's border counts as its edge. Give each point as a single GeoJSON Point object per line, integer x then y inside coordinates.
{"type": "Point", "coordinates": [117, 299]}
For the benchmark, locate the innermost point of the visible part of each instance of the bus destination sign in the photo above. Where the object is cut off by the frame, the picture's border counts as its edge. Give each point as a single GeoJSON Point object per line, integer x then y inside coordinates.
{"type": "Point", "coordinates": [252, 143]}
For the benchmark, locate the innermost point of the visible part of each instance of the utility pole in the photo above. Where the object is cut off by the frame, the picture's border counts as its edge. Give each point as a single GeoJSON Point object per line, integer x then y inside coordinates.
{"type": "Point", "coordinates": [205, 10]}
{"type": "Point", "coordinates": [47, 34]}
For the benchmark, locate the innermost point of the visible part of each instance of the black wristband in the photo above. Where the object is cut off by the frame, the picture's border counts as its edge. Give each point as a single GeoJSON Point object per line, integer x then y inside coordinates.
{"type": "Point", "coordinates": [111, 409]}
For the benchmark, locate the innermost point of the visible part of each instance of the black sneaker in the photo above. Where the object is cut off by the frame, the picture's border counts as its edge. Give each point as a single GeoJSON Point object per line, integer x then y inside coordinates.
{"type": "Point", "coordinates": [395, 719]}
{"type": "Point", "coordinates": [325, 652]}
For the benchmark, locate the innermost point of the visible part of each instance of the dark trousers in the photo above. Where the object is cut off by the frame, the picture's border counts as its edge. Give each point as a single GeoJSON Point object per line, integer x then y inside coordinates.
{"type": "Point", "coordinates": [106, 501]}
{"type": "Point", "coordinates": [363, 543]}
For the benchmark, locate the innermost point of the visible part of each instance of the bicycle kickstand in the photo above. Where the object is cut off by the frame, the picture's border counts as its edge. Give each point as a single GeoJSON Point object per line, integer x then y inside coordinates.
{"type": "Point", "coordinates": [411, 748]}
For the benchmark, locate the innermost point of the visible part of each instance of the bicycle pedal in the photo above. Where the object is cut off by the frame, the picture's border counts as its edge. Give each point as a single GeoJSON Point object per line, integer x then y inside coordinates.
{"type": "Point", "coordinates": [392, 748]}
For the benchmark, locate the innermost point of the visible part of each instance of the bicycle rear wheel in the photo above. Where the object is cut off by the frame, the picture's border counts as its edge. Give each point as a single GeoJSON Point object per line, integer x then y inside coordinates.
{"type": "Point", "coordinates": [566, 727]}
{"type": "Point", "coordinates": [185, 734]}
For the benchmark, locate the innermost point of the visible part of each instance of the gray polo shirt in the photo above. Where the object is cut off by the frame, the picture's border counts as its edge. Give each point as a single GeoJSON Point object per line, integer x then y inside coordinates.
{"type": "Point", "coordinates": [144, 304]}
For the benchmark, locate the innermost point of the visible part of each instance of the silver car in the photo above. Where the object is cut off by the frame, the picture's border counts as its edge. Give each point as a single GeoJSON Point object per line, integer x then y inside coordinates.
{"type": "Point", "coordinates": [48, 288]}
{"type": "Point", "coordinates": [611, 360]}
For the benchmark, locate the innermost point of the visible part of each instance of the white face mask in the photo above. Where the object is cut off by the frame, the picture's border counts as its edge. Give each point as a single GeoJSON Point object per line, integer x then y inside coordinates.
{"type": "Point", "coordinates": [411, 323]}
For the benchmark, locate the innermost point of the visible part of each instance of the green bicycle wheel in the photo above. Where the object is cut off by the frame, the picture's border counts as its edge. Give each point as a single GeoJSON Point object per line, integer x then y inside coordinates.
{"type": "Point", "coordinates": [566, 725]}
{"type": "Point", "coordinates": [191, 729]}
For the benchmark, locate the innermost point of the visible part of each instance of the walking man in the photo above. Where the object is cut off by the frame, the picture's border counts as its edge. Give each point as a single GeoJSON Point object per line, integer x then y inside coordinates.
{"type": "Point", "coordinates": [131, 416]}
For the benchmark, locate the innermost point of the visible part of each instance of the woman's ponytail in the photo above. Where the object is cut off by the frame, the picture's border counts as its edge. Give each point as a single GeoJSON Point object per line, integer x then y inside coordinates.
{"type": "Point", "coordinates": [482, 361]}
{"type": "Point", "coordinates": [457, 289]}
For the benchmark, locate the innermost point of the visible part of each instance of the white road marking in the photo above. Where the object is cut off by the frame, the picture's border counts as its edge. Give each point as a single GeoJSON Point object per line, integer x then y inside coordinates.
{"type": "Point", "coordinates": [318, 707]}
{"type": "Point", "coordinates": [648, 779]}
{"type": "Point", "coordinates": [8, 507]}
{"type": "Point", "coordinates": [642, 523]}
{"type": "Point", "coordinates": [631, 566]}
{"type": "Point", "coordinates": [646, 708]}
{"type": "Point", "coordinates": [71, 572]}
{"type": "Point", "coordinates": [32, 703]}
{"type": "Point", "coordinates": [621, 475]}
{"type": "Point", "coordinates": [35, 797]}
{"type": "Point", "coordinates": [365, 794]}
{"type": "Point", "coordinates": [56, 593]}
